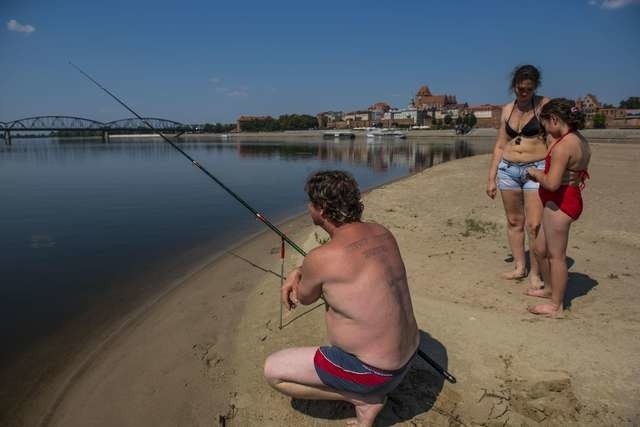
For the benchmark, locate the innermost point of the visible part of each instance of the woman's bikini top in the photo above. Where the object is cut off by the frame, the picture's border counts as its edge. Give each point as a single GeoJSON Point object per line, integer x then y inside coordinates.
{"type": "Point", "coordinates": [582, 174]}
{"type": "Point", "coordinates": [530, 130]}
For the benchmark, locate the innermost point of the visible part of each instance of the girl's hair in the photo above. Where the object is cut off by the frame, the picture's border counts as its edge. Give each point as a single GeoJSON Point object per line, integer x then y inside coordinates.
{"type": "Point", "coordinates": [565, 110]}
{"type": "Point", "coordinates": [525, 72]}
{"type": "Point", "coordinates": [337, 193]}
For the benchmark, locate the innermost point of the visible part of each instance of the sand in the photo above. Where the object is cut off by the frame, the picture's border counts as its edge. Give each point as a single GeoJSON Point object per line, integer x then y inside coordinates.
{"type": "Point", "coordinates": [195, 356]}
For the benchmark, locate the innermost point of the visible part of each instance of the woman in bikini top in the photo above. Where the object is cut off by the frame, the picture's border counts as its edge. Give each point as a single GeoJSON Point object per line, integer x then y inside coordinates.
{"type": "Point", "coordinates": [532, 129]}
{"type": "Point", "coordinates": [520, 144]}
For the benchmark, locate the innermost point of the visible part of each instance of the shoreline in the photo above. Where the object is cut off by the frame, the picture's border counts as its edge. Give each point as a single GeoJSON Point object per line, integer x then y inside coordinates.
{"type": "Point", "coordinates": [625, 135]}
{"type": "Point", "coordinates": [49, 391]}
{"type": "Point", "coordinates": [177, 360]}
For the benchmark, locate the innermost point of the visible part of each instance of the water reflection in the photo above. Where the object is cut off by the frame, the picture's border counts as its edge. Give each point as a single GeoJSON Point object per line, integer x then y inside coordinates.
{"type": "Point", "coordinates": [81, 219]}
{"type": "Point", "coordinates": [84, 214]}
{"type": "Point", "coordinates": [378, 156]}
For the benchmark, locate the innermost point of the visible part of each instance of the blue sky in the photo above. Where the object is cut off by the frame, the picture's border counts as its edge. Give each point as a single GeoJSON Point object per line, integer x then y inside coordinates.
{"type": "Point", "coordinates": [208, 61]}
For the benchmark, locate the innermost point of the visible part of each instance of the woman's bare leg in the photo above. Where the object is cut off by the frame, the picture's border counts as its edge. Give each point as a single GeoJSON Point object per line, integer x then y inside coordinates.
{"type": "Point", "coordinates": [533, 219]}
{"type": "Point", "coordinates": [539, 249]}
{"type": "Point", "coordinates": [514, 210]}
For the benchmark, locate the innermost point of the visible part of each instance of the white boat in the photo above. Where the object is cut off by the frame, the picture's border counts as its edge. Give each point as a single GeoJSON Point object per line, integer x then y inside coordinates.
{"type": "Point", "coordinates": [386, 133]}
{"type": "Point", "coordinates": [339, 134]}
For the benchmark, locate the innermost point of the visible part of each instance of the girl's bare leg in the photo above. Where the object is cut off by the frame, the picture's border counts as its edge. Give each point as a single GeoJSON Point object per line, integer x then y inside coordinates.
{"type": "Point", "coordinates": [556, 225]}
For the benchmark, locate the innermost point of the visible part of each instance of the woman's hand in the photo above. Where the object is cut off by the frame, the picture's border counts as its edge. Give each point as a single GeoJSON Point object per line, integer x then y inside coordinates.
{"type": "Point", "coordinates": [492, 190]}
{"type": "Point", "coordinates": [532, 174]}
{"type": "Point", "coordinates": [289, 291]}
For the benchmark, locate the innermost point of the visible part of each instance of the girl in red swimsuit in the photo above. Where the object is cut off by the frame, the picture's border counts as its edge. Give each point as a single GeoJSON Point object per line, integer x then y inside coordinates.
{"type": "Point", "coordinates": [560, 191]}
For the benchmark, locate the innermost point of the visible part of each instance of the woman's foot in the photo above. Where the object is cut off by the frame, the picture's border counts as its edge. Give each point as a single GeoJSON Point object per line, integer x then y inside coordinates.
{"type": "Point", "coordinates": [537, 292]}
{"type": "Point", "coordinates": [514, 274]}
{"type": "Point", "coordinates": [548, 310]}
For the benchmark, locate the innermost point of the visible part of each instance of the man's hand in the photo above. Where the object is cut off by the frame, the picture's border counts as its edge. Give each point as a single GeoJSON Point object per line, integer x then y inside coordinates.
{"type": "Point", "coordinates": [289, 291]}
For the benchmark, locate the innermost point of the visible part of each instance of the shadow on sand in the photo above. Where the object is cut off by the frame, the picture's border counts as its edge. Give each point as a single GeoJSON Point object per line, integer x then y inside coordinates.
{"type": "Point", "coordinates": [415, 395]}
{"type": "Point", "coordinates": [578, 285]}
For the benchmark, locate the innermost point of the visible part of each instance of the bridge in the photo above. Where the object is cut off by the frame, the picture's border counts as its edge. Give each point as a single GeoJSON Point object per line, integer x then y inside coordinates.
{"type": "Point", "coordinates": [79, 124]}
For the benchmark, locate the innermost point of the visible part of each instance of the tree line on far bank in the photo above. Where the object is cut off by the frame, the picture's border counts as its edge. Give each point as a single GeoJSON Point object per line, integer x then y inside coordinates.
{"type": "Point", "coordinates": [283, 122]}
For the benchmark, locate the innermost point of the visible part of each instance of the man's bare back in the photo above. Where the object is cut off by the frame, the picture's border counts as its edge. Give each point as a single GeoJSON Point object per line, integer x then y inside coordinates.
{"type": "Point", "coordinates": [369, 318]}
{"type": "Point", "coordinates": [364, 283]}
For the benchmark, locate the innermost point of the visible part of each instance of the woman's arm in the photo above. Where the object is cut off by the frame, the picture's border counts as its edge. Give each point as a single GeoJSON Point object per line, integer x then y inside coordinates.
{"type": "Point", "coordinates": [498, 149]}
{"type": "Point", "coordinates": [553, 179]}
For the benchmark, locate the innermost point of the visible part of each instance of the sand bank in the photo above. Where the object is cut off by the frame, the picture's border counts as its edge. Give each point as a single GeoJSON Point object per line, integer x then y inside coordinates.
{"type": "Point", "coordinates": [197, 353]}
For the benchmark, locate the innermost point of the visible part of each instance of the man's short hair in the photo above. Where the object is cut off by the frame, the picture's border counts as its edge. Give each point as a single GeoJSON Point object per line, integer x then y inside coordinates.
{"type": "Point", "coordinates": [337, 194]}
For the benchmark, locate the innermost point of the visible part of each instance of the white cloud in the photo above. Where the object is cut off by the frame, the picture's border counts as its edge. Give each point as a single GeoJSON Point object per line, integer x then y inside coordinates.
{"type": "Point", "coordinates": [613, 4]}
{"type": "Point", "coordinates": [238, 93]}
{"type": "Point", "coordinates": [215, 80]}
{"type": "Point", "coordinates": [13, 25]}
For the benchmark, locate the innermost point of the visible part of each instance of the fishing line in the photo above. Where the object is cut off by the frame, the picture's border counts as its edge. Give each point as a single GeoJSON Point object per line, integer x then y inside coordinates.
{"type": "Point", "coordinates": [257, 214]}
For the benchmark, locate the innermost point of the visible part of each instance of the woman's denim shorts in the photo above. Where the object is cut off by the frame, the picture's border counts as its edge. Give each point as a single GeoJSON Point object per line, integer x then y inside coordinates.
{"type": "Point", "coordinates": [513, 176]}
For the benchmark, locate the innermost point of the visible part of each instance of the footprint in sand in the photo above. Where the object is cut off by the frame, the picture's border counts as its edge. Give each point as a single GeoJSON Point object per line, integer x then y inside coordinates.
{"type": "Point", "coordinates": [549, 400]}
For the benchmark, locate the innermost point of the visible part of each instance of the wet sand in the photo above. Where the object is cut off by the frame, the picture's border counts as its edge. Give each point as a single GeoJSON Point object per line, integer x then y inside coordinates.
{"type": "Point", "coordinates": [196, 354]}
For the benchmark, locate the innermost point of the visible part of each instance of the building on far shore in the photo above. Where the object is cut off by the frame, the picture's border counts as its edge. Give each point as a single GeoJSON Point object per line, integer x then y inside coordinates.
{"type": "Point", "coordinates": [377, 112]}
{"type": "Point", "coordinates": [488, 115]}
{"type": "Point", "coordinates": [425, 100]}
{"type": "Point", "coordinates": [621, 118]}
{"type": "Point", "coordinates": [329, 119]}
{"type": "Point", "coordinates": [359, 118]}
{"type": "Point", "coordinates": [589, 105]}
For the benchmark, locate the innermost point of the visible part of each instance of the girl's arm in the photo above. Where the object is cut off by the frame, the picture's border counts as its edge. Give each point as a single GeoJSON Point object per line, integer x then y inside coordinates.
{"type": "Point", "coordinates": [553, 179]}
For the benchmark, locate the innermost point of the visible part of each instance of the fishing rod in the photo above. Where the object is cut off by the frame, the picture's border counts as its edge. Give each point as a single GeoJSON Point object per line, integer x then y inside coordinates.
{"type": "Point", "coordinates": [257, 214]}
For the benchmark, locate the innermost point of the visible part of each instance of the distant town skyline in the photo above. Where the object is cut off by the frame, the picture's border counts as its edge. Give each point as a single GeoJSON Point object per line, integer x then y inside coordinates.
{"type": "Point", "coordinates": [213, 63]}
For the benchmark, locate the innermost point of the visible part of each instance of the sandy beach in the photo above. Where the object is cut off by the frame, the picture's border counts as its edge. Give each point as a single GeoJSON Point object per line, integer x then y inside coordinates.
{"type": "Point", "coordinates": [194, 357]}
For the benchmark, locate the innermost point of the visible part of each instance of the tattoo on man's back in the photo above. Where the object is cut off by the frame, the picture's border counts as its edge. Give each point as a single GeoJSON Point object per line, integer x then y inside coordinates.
{"type": "Point", "coordinates": [375, 251]}
{"type": "Point", "coordinates": [361, 243]}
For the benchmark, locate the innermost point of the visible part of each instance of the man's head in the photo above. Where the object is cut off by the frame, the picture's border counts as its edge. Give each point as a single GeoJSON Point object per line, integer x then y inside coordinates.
{"type": "Point", "coordinates": [336, 193]}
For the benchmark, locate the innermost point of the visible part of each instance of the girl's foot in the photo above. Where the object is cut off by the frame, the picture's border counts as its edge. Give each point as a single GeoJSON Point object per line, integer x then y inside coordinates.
{"type": "Point", "coordinates": [548, 310]}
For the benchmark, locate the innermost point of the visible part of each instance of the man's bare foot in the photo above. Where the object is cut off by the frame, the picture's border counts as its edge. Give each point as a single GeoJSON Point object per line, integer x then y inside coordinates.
{"type": "Point", "coordinates": [535, 282]}
{"type": "Point", "coordinates": [366, 413]}
{"type": "Point", "coordinates": [549, 310]}
{"type": "Point", "coordinates": [540, 293]}
{"type": "Point", "coordinates": [514, 274]}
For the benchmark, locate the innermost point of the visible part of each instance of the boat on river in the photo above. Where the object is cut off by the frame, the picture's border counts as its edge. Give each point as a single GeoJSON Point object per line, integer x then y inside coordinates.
{"type": "Point", "coordinates": [386, 133]}
{"type": "Point", "coordinates": [339, 134]}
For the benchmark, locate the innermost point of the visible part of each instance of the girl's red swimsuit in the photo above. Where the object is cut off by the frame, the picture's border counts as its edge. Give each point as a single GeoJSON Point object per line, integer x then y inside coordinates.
{"type": "Point", "coordinates": [568, 197]}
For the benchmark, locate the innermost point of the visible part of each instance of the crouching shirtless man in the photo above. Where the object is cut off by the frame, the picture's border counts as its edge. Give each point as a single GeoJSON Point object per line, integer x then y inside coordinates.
{"type": "Point", "coordinates": [369, 319]}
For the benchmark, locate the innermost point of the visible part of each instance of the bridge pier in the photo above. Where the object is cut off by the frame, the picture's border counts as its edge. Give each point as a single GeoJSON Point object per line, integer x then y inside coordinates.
{"type": "Point", "coordinates": [7, 137]}
{"type": "Point", "coordinates": [105, 136]}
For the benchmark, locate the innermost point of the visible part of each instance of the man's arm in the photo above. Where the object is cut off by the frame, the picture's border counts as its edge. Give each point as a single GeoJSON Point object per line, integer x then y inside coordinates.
{"type": "Point", "coordinates": [309, 288]}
